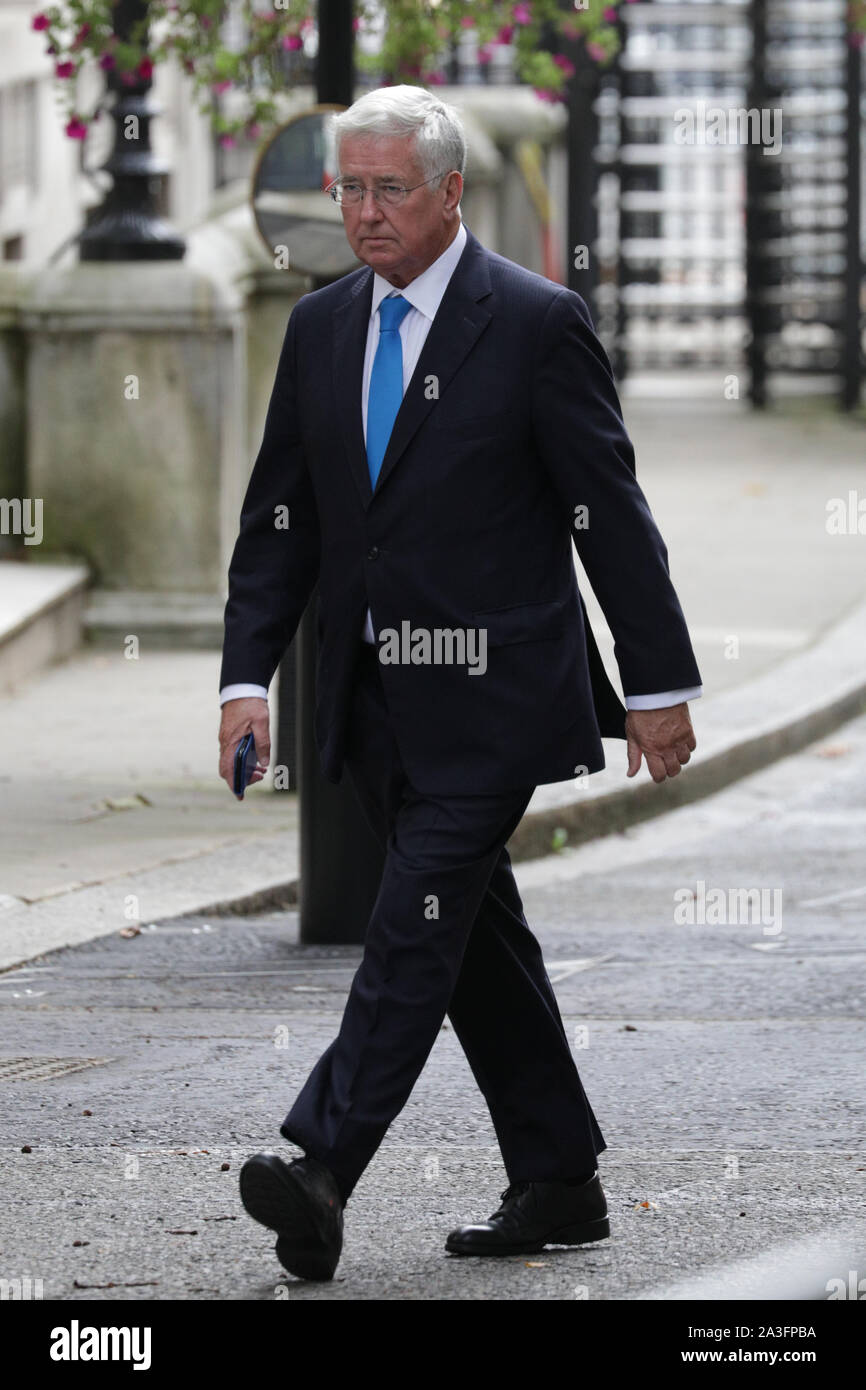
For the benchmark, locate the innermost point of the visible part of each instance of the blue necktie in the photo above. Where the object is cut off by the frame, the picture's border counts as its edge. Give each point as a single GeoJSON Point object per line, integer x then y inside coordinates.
{"type": "Point", "coordinates": [386, 381]}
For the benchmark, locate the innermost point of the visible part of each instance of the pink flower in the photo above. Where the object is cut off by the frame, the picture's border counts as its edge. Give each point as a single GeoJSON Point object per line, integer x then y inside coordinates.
{"type": "Point", "coordinates": [356, 24]}
{"type": "Point", "coordinates": [293, 41]}
{"type": "Point", "coordinates": [545, 94]}
{"type": "Point", "coordinates": [227, 141]}
{"type": "Point", "coordinates": [467, 22]}
{"type": "Point", "coordinates": [76, 129]}
{"type": "Point", "coordinates": [221, 86]}
{"type": "Point", "coordinates": [434, 79]}
{"type": "Point", "coordinates": [40, 21]}
{"type": "Point", "coordinates": [107, 62]}
{"type": "Point", "coordinates": [65, 69]}
{"type": "Point", "coordinates": [145, 68]}
{"type": "Point", "coordinates": [81, 35]}
{"type": "Point", "coordinates": [253, 130]}
{"type": "Point", "coordinates": [522, 14]}
{"type": "Point", "coordinates": [129, 79]}
{"type": "Point", "coordinates": [484, 54]}
{"type": "Point", "coordinates": [596, 51]}
{"type": "Point", "coordinates": [610, 15]}
{"type": "Point", "coordinates": [565, 63]}
{"type": "Point", "coordinates": [505, 33]}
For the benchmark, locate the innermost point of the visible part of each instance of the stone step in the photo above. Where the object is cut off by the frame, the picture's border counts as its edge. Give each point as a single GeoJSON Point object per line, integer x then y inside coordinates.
{"type": "Point", "coordinates": [181, 621]}
{"type": "Point", "coordinates": [41, 616]}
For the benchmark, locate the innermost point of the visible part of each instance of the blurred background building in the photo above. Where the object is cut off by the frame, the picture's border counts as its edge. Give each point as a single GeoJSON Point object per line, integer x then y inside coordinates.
{"type": "Point", "coordinates": [694, 244]}
{"type": "Point", "coordinates": [703, 192]}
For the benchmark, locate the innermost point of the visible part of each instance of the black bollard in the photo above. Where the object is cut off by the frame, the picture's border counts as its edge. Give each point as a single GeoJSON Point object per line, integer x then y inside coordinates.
{"type": "Point", "coordinates": [341, 861]}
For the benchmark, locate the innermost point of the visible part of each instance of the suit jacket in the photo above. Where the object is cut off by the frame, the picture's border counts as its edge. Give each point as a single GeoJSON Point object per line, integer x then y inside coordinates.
{"type": "Point", "coordinates": [509, 424]}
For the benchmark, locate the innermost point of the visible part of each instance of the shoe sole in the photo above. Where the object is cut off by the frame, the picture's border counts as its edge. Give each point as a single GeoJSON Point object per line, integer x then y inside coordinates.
{"type": "Point", "coordinates": [273, 1199]}
{"type": "Point", "coordinates": [580, 1234]}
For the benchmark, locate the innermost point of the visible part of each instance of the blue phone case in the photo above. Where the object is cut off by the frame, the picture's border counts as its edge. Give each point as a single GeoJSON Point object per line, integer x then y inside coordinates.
{"type": "Point", "coordinates": [245, 764]}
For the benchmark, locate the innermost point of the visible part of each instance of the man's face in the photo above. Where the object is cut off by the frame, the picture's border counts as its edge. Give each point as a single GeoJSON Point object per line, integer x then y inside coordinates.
{"type": "Point", "coordinates": [397, 242]}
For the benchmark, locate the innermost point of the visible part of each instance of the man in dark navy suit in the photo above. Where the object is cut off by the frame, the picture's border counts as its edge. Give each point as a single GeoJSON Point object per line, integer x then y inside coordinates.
{"type": "Point", "coordinates": [443, 427]}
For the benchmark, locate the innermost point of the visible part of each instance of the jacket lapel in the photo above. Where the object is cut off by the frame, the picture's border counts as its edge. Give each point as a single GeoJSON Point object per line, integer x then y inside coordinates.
{"type": "Point", "coordinates": [459, 322]}
{"type": "Point", "coordinates": [351, 320]}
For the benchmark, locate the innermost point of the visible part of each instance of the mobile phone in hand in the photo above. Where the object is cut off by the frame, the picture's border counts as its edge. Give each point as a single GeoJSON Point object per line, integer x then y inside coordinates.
{"type": "Point", "coordinates": [245, 764]}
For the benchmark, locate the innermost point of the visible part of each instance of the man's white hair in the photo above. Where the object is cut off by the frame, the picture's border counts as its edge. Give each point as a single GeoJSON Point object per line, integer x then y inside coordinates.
{"type": "Point", "coordinates": [440, 140]}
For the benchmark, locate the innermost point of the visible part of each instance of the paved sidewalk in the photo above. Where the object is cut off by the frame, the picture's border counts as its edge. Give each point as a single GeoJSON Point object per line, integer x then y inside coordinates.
{"type": "Point", "coordinates": [723, 1060]}
{"type": "Point", "coordinates": [111, 807]}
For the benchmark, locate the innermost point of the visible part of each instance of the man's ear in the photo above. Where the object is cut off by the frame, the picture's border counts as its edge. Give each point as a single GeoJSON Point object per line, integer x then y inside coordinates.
{"type": "Point", "coordinates": [450, 200]}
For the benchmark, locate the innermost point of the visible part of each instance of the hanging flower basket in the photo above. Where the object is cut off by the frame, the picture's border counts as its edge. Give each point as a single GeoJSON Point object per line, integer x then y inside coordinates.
{"type": "Point", "coordinates": [413, 46]}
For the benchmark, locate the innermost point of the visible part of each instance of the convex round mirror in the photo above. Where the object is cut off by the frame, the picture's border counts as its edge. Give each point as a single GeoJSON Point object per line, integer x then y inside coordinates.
{"type": "Point", "coordinates": [288, 201]}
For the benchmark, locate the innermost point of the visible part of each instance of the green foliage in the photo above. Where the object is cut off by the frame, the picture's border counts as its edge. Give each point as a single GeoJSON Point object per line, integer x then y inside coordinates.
{"type": "Point", "coordinates": [414, 47]}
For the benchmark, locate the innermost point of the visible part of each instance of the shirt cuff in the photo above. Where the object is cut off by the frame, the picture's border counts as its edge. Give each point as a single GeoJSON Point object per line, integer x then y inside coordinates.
{"type": "Point", "coordinates": [665, 699]}
{"type": "Point", "coordinates": [242, 692]}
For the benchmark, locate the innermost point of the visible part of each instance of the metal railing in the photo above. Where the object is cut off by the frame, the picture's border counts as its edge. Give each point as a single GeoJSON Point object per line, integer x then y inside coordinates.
{"type": "Point", "coordinates": [729, 214]}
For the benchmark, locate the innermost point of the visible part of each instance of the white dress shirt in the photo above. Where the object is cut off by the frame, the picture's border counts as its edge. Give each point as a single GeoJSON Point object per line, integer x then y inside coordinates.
{"type": "Point", "coordinates": [425, 293]}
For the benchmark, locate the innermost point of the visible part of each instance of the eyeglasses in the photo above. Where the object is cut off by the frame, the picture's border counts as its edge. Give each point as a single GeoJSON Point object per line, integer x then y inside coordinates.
{"type": "Point", "coordinates": [350, 192]}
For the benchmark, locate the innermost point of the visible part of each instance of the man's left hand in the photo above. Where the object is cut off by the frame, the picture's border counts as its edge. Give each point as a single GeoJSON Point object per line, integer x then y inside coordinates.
{"type": "Point", "coordinates": [664, 737]}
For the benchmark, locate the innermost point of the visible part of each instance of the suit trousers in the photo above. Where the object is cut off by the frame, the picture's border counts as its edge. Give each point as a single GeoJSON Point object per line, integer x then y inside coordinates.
{"type": "Point", "coordinates": [447, 935]}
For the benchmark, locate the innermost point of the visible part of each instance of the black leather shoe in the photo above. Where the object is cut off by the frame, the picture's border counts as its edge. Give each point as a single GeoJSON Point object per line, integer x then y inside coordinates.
{"type": "Point", "coordinates": [535, 1214]}
{"type": "Point", "coordinates": [301, 1202]}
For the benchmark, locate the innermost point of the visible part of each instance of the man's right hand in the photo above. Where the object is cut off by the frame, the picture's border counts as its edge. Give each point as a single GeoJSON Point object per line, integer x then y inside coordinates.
{"type": "Point", "coordinates": [240, 717]}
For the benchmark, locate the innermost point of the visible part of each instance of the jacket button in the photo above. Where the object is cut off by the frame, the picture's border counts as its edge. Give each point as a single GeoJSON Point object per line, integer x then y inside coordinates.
{"type": "Point", "coordinates": [373, 553]}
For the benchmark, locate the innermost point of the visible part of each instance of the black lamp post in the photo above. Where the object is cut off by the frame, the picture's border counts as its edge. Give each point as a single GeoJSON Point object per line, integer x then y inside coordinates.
{"type": "Point", "coordinates": [583, 91]}
{"type": "Point", "coordinates": [852, 371]}
{"type": "Point", "coordinates": [127, 227]}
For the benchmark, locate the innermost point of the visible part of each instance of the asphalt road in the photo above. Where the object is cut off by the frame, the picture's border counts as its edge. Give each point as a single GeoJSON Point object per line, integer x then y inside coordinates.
{"type": "Point", "coordinates": [724, 1060]}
